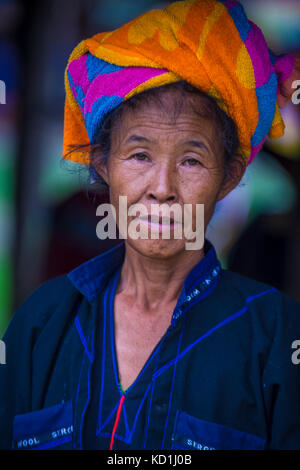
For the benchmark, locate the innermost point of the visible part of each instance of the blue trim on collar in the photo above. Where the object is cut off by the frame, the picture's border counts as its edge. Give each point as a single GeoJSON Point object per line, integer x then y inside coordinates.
{"type": "Point", "coordinates": [91, 277]}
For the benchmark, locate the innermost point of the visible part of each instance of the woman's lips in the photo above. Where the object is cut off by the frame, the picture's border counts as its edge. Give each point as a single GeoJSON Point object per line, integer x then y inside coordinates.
{"type": "Point", "coordinates": [158, 223]}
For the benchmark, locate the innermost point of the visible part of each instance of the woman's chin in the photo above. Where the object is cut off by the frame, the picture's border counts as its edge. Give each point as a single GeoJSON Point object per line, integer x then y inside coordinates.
{"type": "Point", "coordinates": [161, 248]}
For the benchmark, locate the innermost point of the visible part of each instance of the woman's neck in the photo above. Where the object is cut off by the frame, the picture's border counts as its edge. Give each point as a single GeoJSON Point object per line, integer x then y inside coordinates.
{"type": "Point", "coordinates": [152, 283]}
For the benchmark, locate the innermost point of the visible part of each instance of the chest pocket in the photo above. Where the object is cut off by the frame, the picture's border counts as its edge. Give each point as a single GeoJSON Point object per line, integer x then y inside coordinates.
{"type": "Point", "coordinates": [44, 429]}
{"type": "Point", "coordinates": [192, 433]}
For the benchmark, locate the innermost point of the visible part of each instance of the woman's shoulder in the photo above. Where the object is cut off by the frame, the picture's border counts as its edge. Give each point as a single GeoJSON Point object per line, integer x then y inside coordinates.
{"type": "Point", "coordinates": [49, 293]}
{"type": "Point", "coordinates": [49, 299]}
{"type": "Point", "coordinates": [258, 293]}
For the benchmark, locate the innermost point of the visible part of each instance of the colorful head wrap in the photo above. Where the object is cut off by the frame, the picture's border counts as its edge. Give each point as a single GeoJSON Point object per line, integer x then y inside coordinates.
{"type": "Point", "coordinates": [210, 44]}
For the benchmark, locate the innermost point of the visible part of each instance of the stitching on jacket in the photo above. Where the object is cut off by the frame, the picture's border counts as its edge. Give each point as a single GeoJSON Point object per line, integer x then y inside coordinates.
{"type": "Point", "coordinates": [83, 340]}
{"type": "Point", "coordinates": [173, 382]}
{"type": "Point", "coordinates": [209, 332]}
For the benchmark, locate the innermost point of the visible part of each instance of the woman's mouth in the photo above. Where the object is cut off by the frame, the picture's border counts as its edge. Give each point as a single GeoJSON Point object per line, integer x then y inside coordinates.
{"type": "Point", "coordinates": [158, 223]}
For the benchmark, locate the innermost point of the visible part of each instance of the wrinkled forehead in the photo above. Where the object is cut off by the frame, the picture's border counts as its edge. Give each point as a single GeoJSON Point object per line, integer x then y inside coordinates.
{"type": "Point", "coordinates": [169, 122]}
{"type": "Point", "coordinates": [172, 102]}
{"type": "Point", "coordinates": [172, 107]}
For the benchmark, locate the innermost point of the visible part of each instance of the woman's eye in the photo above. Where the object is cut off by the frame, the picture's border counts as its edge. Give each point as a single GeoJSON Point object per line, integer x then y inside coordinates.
{"type": "Point", "coordinates": [191, 162]}
{"type": "Point", "coordinates": [140, 156]}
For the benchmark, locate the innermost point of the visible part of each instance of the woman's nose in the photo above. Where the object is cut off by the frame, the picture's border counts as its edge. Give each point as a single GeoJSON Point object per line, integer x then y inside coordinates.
{"type": "Point", "coordinates": [162, 186]}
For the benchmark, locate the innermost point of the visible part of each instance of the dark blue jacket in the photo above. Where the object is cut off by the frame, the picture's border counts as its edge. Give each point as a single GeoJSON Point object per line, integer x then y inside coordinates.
{"type": "Point", "coordinates": [222, 376]}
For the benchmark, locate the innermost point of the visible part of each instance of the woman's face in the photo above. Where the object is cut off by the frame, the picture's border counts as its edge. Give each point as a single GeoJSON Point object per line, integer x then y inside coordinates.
{"type": "Point", "coordinates": [156, 160]}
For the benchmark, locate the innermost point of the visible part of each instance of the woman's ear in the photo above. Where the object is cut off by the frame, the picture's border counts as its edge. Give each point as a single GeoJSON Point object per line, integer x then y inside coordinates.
{"type": "Point", "coordinates": [234, 172]}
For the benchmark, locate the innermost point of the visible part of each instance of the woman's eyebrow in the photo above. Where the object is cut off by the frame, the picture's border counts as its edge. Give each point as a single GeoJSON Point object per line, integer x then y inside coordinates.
{"type": "Point", "coordinates": [196, 143]}
{"type": "Point", "coordinates": [137, 138]}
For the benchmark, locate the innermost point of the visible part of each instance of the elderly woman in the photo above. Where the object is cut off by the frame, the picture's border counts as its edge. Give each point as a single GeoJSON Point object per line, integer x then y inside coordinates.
{"type": "Point", "coordinates": [152, 345]}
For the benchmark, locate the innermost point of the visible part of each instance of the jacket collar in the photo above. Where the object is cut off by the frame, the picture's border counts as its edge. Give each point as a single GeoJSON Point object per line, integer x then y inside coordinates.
{"type": "Point", "coordinates": [91, 277]}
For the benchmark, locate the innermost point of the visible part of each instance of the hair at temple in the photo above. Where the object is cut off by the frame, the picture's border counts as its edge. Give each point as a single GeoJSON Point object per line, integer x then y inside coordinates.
{"type": "Point", "coordinates": [225, 126]}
